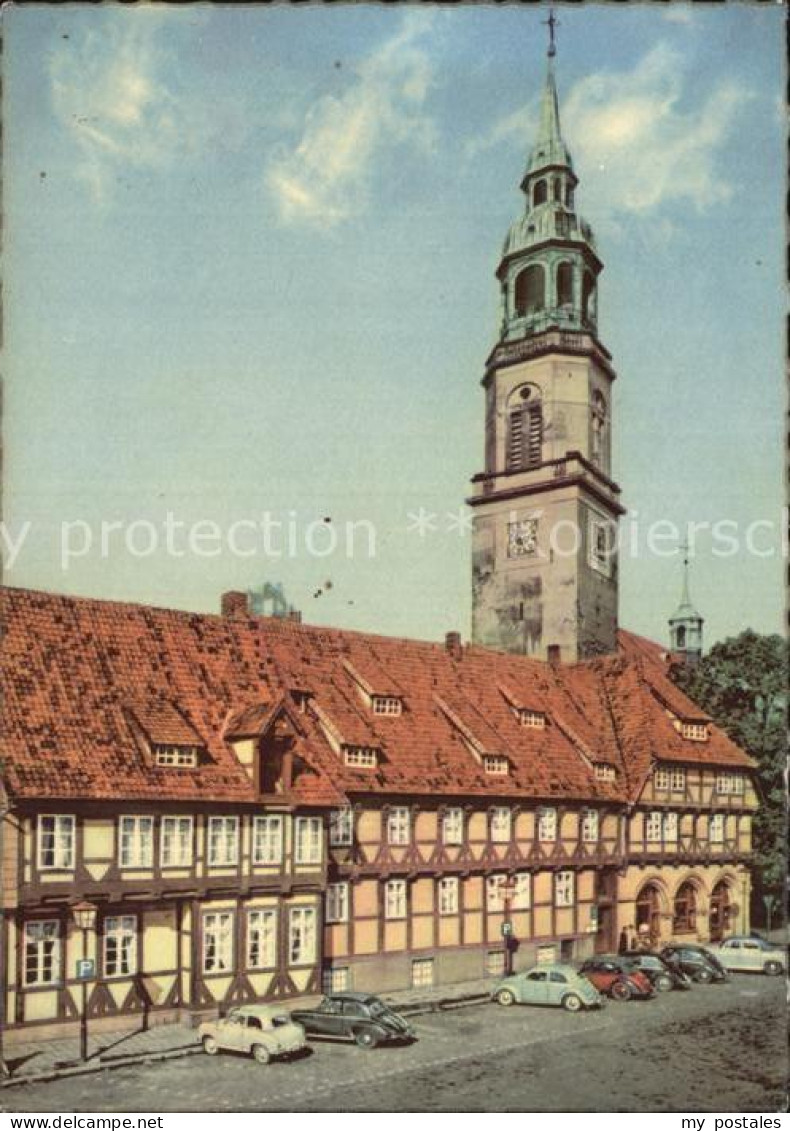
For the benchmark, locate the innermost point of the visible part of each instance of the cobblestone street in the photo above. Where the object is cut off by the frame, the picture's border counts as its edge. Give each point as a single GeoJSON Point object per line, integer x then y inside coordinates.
{"type": "Point", "coordinates": [716, 1048]}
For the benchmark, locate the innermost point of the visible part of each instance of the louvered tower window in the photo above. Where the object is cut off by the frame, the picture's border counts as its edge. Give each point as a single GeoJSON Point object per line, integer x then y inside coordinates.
{"type": "Point", "coordinates": [525, 435]}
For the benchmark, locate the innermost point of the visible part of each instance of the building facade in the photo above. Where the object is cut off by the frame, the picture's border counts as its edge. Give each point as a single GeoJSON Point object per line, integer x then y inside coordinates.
{"type": "Point", "coordinates": [258, 808]}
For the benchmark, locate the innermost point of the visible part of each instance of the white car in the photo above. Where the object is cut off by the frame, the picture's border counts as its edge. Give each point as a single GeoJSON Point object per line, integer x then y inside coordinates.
{"type": "Point", "coordinates": [745, 952]}
{"type": "Point", "coordinates": [261, 1031]}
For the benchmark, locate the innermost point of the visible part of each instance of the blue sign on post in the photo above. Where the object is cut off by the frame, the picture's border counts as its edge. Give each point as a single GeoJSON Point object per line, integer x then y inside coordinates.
{"type": "Point", "coordinates": [86, 969]}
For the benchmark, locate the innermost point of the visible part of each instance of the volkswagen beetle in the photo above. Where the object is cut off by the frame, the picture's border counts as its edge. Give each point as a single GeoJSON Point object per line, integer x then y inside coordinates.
{"type": "Point", "coordinates": [555, 984]}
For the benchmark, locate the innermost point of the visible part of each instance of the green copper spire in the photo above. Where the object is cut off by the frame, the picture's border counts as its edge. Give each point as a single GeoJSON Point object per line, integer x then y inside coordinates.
{"type": "Point", "coordinates": [549, 149]}
{"type": "Point", "coordinates": [685, 624]}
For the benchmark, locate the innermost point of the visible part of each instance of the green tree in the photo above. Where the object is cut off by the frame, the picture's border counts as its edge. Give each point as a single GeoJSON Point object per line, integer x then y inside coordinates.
{"type": "Point", "coordinates": [742, 684]}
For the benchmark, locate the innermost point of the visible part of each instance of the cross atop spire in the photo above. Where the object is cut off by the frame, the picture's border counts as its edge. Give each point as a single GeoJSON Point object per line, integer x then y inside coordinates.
{"type": "Point", "coordinates": [551, 23]}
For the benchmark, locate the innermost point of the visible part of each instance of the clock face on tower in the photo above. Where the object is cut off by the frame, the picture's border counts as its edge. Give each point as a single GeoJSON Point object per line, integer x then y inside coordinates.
{"type": "Point", "coordinates": [522, 538]}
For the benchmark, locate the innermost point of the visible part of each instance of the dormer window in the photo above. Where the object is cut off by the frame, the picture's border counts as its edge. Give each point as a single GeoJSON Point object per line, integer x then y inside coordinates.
{"type": "Point", "coordinates": [695, 732]}
{"type": "Point", "coordinates": [534, 719]}
{"type": "Point", "coordinates": [495, 764]}
{"type": "Point", "coordinates": [361, 757]}
{"type": "Point", "coordinates": [604, 772]}
{"type": "Point", "coordinates": [386, 705]}
{"type": "Point", "coordinates": [169, 755]}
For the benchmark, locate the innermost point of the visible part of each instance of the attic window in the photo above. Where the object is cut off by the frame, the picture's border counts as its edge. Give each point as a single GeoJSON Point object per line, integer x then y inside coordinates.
{"type": "Point", "coordinates": [362, 756]}
{"type": "Point", "coordinates": [695, 732]}
{"type": "Point", "coordinates": [168, 755]}
{"type": "Point", "coordinates": [534, 719]}
{"type": "Point", "coordinates": [386, 705]}
{"type": "Point", "coordinates": [605, 772]}
{"type": "Point", "coordinates": [495, 764]}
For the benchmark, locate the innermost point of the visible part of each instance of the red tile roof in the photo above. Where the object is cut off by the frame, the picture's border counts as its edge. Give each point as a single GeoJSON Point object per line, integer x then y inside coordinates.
{"type": "Point", "coordinates": [74, 668]}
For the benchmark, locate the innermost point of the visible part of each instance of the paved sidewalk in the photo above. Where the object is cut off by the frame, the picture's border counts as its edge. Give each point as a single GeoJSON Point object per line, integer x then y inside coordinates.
{"type": "Point", "coordinates": [31, 1062]}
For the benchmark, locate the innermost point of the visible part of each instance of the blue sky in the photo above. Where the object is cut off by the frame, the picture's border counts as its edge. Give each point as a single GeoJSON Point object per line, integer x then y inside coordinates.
{"type": "Point", "coordinates": [249, 269]}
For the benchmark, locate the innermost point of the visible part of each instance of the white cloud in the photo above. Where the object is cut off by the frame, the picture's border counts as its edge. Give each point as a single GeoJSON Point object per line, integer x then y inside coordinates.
{"type": "Point", "coordinates": [635, 147]}
{"type": "Point", "coordinates": [324, 179]}
{"type": "Point", "coordinates": [115, 91]}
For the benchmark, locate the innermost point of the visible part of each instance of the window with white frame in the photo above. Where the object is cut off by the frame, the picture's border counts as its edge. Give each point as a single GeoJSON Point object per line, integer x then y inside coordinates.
{"type": "Point", "coordinates": [670, 828]}
{"type": "Point", "coordinates": [716, 828]}
{"type": "Point", "coordinates": [183, 756]}
{"type": "Point", "coordinates": [398, 825]}
{"type": "Point", "coordinates": [136, 842]}
{"type": "Point", "coordinates": [448, 895]}
{"type": "Point", "coordinates": [604, 772]}
{"type": "Point", "coordinates": [120, 945]}
{"type": "Point", "coordinates": [661, 778]}
{"type": "Point", "coordinates": [590, 824]}
{"type": "Point", "coordinates": [495, 892]}
{"type": "Point", "coordinates": [267, 839]}
{"type": "Point", "coordinates": [176, 843]}
{"type": "Point", "coordinates": [217, 941]}
{"type": "Point", "coordinates": [395, 899]}
{"type": "Point", "coordinates": [386, 705]}
{"type": "Point", "coordinates": [223, 841]}
{"type": "Point", "coordinates": [522, 892]}
{"type": "Point", "coordinates": [547, 824]}
{"type": "Point", "coordinates": [601, 545]}
{"type": "Point", "coordinates": [42, 952]}
{"type": "Point", "coordinates": [654, 823]}
{"type": "Point", "coordinates": [337, 903]}
{"type": "Point", "coordinates": [309, 834]}
{"type": "Point", "coordinates": [362, 757]}
{"type": "Point", "coordinates": [453, 826]}
{"type": "Point", "coordinates": [533, 719]}
{"type": "Point", "coordinates": [729, 782]}
{"type": "Point", "coordinates": [421, 972]}
{"type": "Point", "coordinates": [301, 936]}
{"type": "Point", "coordinates": [495, 764]}
{"type": "Point", "coordinates": [55, 841]}
{"type": "Point", "coordinates": [336, 980]}
{"type": "Point", "coordinates": [695, 732]}
{"type": "Point", "coordinates": [563, 889]}
{"type": "Point", "coordinates": [677, 779]}
{"type": "Point", "coordinates": [261, 938]}
{"type": "Point", "coordinates": [341, 828]}
{"type": "Point", "coordinates": [501, 825]}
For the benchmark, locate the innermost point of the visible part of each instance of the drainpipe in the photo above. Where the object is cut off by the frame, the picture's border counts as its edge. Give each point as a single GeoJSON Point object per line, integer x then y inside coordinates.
{"type": "Point", "coordinates": [4, 810]}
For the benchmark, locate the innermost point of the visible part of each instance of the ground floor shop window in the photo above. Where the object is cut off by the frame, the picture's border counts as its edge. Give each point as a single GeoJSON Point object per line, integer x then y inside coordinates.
{"type": "Point", "coordinates": [684, 919]}
{"type": "Point", "coordinates": [337, 980]}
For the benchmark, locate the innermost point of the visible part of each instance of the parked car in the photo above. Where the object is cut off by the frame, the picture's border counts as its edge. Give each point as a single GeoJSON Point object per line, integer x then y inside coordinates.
{"type": "Point", "coordinates": [663, 975]}
{"type": "Point", "coordinates": [746, 952]}
{"type": "Point", "coordinates": [555, 984]}
{"type": "Point", "coordinates": [354, 1016]}
{"type": "Point", "coordinates": [617, 978]}
{"type": "Point", "coordinates": [696, 961]}
{"type": "Point", "coordinates": [263, 1031]}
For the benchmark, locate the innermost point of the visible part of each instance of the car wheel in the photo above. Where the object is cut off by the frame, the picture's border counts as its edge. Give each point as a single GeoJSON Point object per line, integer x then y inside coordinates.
{"type": "Point", "coordinates": [620, 991]}
{"type": "Point", "coordinates": [210, 1046]}
{"type": "Point", "coordinates": [365, 1039]}
{"type": "Point", "coordinates": [506, 997]}
{"type": "Point", "coordinates": [703, 976]}
{"type": "Point", "coordinates": [772, 968]}
{"type": "Point", "coordinates": [261, 1054]}
{"type": "Point", "coordinates": [663, 983]}
{"type": "Point", "coordinates": [572, 1002]}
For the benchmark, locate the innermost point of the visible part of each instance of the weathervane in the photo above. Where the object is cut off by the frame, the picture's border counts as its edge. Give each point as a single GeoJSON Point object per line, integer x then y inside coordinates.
{"type": "Point", "coordinates": [551, 23]}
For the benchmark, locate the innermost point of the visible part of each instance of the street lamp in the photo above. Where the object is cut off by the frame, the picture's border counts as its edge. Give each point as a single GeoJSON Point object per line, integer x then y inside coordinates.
{"type": "Point", "coordinates": [85, 917]}
{"type": "Point", "coordinates": [508, 891]}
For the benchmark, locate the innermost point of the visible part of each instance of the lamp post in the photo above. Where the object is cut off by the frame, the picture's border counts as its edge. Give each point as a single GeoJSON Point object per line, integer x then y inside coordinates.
{"type": "Point", "coordinates": [85, 917]}
{"type": "Point", "coordinates": [508, 890]}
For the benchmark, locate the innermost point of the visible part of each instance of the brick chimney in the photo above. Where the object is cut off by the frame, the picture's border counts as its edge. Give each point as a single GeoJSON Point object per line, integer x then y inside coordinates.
{"type": "Point", "coordinates": [554, 655]}
{"type": "Point", "coordinates": [452, 645]}
{"type": "Point", "coordinates": [234, 604]}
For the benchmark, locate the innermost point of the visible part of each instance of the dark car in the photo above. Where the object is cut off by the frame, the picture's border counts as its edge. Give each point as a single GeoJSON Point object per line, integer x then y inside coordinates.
{"type": "Point", "coordinates": [664, 975]}
{"type": "Point", "coordinates": [353, 1016]}
{"type": "Point", "coordinates": [617, 978]}
{"type": "Point", "coordinates": [696, 961]}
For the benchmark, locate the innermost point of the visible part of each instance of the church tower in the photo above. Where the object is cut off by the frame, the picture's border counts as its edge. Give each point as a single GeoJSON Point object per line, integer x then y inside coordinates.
{"type": "Point", "coordinates": [545, 507]}
{"type": "Point", "coordinates": [685, 624]}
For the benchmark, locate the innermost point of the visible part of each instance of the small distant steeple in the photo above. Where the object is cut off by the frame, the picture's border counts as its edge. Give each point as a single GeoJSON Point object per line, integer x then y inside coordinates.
{"type": "Point", "coordinates": [685, 624]}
